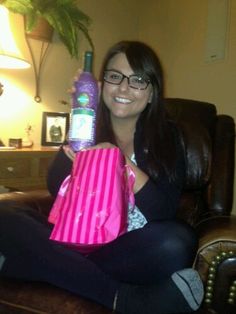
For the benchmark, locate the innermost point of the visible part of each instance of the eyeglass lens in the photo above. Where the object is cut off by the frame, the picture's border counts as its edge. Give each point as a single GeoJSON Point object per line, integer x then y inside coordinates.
{"type": "Point", "coordinates": [134, 81]}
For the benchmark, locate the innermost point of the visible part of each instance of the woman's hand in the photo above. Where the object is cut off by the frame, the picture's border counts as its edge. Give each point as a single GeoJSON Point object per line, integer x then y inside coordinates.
{"type": "Point", "coordinates": [71, 154]}
{"type": "Point", "coordinates": [71, 91]}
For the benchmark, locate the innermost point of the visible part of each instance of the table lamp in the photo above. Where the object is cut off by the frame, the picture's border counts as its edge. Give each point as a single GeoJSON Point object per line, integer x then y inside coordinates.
{"type": "Point", "coordinates": [10, 55]}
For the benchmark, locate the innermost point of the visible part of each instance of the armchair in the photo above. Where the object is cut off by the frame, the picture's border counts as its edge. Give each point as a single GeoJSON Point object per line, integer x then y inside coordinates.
{"type": "Point", "coordinates": [206, 204]}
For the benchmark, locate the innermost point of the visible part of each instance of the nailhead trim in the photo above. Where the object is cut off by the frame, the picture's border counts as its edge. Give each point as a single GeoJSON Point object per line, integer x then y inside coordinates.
{"type": "Point", "coordinates": [218, 259]}
{"type": "Point", "coordinates": [232, 293]}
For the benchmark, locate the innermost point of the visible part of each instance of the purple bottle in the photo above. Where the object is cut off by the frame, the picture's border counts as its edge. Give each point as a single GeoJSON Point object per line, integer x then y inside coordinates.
{"type": "Point", "coordinates": [84, 107]}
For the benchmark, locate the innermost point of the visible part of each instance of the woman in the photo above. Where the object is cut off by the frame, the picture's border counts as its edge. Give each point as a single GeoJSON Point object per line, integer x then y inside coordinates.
{"type": "Point", "coordinates": [147, 270]}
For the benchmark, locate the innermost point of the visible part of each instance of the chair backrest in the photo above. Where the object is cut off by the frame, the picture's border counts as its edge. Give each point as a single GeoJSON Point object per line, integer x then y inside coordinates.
{"type": "Point", "coordinates": [208, 140]}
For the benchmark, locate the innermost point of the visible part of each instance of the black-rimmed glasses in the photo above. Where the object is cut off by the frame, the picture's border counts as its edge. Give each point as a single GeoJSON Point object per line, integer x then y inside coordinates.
{"type": "Point", "coordinates": [134, 80]}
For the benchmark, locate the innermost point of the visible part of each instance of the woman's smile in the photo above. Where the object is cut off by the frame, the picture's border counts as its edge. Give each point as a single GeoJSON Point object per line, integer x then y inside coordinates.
{"type": "Point", "coordinates": [122, 100]}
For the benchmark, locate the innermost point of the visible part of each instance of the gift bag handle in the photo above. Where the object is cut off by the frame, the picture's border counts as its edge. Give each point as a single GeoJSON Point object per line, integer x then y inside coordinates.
{"type": "Point", "coordinates": [130, 184]}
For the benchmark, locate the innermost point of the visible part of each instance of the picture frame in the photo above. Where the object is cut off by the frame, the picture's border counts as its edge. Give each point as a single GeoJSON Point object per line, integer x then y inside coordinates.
{"type": "Point", "coordinates": [55, 126]}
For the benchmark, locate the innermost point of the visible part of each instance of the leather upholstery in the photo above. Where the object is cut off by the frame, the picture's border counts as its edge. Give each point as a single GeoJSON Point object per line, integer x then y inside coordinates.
{"type": "Point", "coordinates": [209, 143]}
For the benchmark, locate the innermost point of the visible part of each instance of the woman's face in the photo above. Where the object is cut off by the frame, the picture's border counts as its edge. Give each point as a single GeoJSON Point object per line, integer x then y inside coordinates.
{"type": "Point", "coordinates": [122, 100]}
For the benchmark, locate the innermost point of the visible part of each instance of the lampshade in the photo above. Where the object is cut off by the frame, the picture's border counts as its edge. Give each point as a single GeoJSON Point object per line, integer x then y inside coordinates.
{"type": "Point", "coordinates": [10, 55]}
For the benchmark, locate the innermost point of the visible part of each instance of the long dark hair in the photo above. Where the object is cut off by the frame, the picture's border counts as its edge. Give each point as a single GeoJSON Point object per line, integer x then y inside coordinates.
{"type": "Point", "coordinates": [156, 133]}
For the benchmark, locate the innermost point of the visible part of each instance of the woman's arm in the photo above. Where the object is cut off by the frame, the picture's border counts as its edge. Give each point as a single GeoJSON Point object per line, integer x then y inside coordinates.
{"type": "Point", "coordinates": [59, 169]}
{"type": "Point", "coordinates": [159, 199]}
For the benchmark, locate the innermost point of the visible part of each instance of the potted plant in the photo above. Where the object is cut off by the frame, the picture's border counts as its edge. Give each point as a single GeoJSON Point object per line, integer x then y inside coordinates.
{"type": "Point", "coordinates": [63, 16]}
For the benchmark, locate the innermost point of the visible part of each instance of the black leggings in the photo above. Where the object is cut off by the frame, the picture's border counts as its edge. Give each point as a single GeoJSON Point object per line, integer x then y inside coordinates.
{"type": "Point", "coordinates": [143, 256]}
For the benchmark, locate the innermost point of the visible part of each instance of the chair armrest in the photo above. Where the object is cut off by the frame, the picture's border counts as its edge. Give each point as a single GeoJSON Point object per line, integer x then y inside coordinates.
{"type": "Point", "coordinates": [40, 200]}
{"type": "Point", "coordinates": [220, 191]}
{"type": "Point", "coordinates": [216, 261]}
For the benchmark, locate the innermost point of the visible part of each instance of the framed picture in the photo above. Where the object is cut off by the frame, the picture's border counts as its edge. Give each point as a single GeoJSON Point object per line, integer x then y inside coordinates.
{"type": "Point", "coordinates": [55, 126]}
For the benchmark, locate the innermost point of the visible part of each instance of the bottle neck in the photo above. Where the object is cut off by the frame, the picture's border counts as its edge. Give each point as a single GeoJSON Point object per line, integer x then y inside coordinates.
{"type": "Point", "coordinates": [88, 61]}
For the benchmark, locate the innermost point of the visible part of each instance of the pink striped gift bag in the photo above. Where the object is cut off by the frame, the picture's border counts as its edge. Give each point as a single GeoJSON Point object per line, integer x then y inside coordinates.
{"type": "Point", "coordinates": [92, 203]}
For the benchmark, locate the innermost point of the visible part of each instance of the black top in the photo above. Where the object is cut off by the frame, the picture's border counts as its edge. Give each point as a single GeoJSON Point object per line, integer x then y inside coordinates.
{"type": "Point", "coordinates": [158, 199]}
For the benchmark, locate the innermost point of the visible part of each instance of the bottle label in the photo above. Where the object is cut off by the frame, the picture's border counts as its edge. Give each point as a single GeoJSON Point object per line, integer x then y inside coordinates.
{"type": "Point", "coordinates": [82, 124]}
